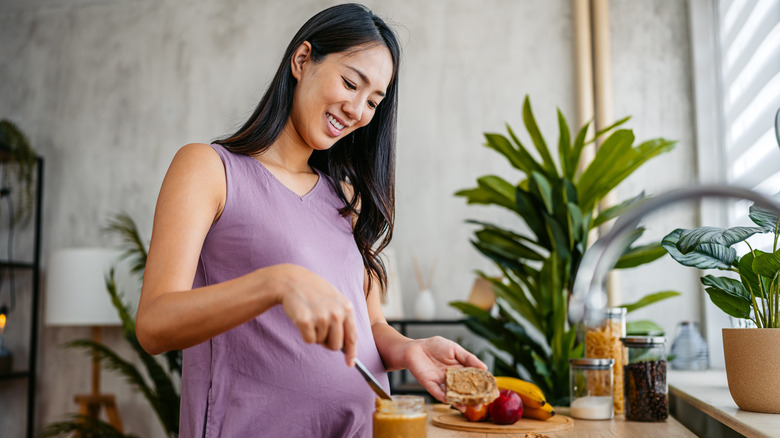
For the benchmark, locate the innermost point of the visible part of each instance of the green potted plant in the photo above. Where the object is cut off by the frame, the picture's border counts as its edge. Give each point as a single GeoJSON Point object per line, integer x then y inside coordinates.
{"type": "Point", "coordinates": [15, 149]}
{"type": "Point", "coordinates": [751, 292]}
{"type": "Point", "coordinates": [156, 383]}
{"type": "Point", "coordinates": [558, 205]}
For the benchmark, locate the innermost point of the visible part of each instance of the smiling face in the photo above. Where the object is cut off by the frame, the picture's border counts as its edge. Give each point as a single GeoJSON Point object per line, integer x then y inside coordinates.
{"type": "Point", "coordinates": [338, 94]}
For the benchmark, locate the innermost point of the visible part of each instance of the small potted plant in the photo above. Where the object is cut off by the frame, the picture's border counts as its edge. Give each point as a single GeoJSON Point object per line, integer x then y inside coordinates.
{"type": "Point", "coordinates": [751, 292]}
{"type": "Point", "coordinates": [15, 149]}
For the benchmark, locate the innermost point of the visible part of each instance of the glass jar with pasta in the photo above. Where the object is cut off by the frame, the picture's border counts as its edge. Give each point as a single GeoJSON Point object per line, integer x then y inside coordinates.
{"type": "Point", "coordinates": [604, 343]}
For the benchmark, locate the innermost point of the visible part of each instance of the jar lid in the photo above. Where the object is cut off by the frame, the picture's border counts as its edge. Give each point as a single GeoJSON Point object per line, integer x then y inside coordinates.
{"type": "Point", "coordinates": [639, 341]}
{"type": "Point", "coordinates": [592, 364]}
{"type": "Point", "coordinates": [616, 311]}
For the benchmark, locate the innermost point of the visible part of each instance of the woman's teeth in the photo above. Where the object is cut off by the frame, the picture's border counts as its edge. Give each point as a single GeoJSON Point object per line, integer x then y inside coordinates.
{"type": "Point", "coordinates": [335, 122]}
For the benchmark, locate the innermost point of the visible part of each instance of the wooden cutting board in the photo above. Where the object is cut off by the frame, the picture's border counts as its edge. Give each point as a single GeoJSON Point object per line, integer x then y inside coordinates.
{"type": "Point", "coordinates": [456, 421]}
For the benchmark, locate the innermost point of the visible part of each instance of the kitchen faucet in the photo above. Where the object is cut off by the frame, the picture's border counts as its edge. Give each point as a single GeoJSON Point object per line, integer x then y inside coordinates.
{"type": "Point", "coordinates": [588, 303]}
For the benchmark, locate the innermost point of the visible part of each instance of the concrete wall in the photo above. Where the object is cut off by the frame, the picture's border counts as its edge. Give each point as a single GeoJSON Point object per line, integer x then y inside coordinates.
{"type": "Point", "coordinates": [109, 90]}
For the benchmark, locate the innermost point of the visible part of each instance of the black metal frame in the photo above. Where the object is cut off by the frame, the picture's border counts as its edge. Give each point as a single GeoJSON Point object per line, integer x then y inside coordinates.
{"type": "Point", "coordinates": [399, 380]}
{"type": "Point", "coordinates": [34, 268]}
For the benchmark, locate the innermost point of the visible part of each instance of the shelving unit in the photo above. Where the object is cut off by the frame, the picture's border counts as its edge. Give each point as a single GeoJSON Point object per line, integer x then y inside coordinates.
{"type": "Point", "coordinates": [401, 381]}
{"type": "Point", "coordinates": [30, 268]}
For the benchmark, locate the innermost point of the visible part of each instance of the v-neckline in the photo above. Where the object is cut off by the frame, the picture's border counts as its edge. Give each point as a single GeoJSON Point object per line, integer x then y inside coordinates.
{"type": "Point", "coordinates": [296, 194]}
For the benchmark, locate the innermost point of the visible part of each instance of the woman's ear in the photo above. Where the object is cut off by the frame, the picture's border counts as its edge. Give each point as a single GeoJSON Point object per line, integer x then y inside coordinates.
{"type": "Point", "coordinates": [301, 55]}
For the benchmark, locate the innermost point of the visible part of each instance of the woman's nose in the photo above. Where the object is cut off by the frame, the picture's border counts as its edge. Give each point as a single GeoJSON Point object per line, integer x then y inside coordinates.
{"type": "Point", "coordinates": [354, 108]}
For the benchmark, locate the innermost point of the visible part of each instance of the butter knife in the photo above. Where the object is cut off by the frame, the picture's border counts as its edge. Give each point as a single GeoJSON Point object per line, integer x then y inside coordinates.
{"type": "Point", "coordinates": [371, 380]}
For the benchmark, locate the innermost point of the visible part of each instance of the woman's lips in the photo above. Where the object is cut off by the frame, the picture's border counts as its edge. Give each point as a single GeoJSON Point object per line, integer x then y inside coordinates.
{"type": "Point", "coordinates": [334, 125]}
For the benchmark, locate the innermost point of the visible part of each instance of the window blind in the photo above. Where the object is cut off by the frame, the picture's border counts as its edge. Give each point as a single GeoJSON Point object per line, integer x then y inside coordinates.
{"type": "Point", "coordinates": [749, 65]}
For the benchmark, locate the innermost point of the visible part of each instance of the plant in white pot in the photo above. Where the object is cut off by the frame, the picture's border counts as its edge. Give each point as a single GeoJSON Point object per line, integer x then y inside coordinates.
{"type": "Point", "coordinates": [751, 292]}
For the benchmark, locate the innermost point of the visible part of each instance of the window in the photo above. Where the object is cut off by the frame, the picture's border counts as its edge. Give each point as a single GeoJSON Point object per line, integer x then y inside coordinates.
{"type": "Point", "coordinates": [748, 42]}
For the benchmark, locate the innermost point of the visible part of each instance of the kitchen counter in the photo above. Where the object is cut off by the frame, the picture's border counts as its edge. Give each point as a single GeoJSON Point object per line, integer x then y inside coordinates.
{"type": "Point", "coordinates": [618, 427]}
{"type": "Point", "coordinates": [707, 392]}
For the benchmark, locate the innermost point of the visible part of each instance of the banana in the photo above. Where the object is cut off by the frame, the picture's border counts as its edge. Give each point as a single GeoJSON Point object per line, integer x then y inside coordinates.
{"type": "Point", "coordinates": [531, 395]}
{"type": "Point", "coordinates": [543, 413]}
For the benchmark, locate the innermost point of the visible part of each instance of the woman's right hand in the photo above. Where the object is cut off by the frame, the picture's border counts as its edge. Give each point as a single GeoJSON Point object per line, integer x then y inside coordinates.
{"type": "Point", "coordinates": [322, 314]}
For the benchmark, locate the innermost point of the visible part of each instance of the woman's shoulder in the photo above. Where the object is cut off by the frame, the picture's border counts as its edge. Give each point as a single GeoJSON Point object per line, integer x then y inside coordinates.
{"type": "Point", "coordinates": [200, 150]}
{"type": "Point", "coordinates": [200, 159]}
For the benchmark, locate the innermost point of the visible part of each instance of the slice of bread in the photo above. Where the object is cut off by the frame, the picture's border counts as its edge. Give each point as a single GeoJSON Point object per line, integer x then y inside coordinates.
{"type": "Point", "coordinates": [470, 386]}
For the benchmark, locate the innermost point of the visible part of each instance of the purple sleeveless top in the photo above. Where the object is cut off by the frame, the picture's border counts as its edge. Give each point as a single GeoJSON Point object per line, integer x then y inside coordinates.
{"type": "Point", "coordinates": [260, 378]}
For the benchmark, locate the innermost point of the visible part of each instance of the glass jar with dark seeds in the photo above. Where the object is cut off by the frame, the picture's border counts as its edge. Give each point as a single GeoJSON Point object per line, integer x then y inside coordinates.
{"type": "Point", "coordinates": [644, 378]}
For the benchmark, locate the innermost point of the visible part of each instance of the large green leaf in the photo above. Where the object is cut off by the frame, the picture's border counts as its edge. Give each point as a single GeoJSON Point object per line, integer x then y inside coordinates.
{"type": "Point", "coordinates": [690, 239]}
{"type": "Point", "coordinates": [594, 179]}
{"type": "Point", "coordinates": [639, 255]}
{"type": "Point", "coordinates": [515, 296]}
{"type": "Point", "coordinates": [763, 217]}
{"type": "Point", "coordinates": [705, 256]}
{"type": "Point", "coordinates": [576, 151]}
{"type": "Point", "coordinates": [530, 210]}
{"type": "Point", "coordinates": [528, 159]}
{"type": "Point", "coordinates": [643, 327]}
{"type": "Point", "coordinates": [601, 132]}
{"type": "Point", "coordinates": [490, 189]}
{"type": "Point", "coordinates": [767, 264]}
{"type": "Point", "coordinates": [650, 299]}
{"type": "Point", "coordinates": [576, 223]}
{"type": "Point", "coordinates": [729, 295]}
{"type": "Point", "coordinates": [515, 157]}
{"type": "Point", "coordinates": [537, 139]}
{"type": "Point", "coordinates": [498, 257]}
{"type": "Point", "coordinates": [615, 161]}
{"type": "Point", "coordinates": [749, 277]}
{"type": "Point", "coordinates": [564, 147]}
{"type": "Point", "coordinates": [541, 187]}
{"type": "Point", "coordinates": [505, 244]}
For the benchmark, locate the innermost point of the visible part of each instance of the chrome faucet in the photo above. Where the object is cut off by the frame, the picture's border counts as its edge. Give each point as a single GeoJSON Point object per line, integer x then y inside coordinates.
{"type": "Point", "coordinates": [588, 302]}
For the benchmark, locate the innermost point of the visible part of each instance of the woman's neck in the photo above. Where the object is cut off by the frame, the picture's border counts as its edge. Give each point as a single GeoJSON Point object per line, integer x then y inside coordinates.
{"type": "Point", "coordinates": [289, 152]}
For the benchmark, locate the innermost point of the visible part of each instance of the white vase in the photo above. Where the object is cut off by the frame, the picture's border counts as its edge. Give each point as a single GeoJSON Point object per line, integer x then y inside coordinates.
{"type": "Point", "coordinates": [425, 305]}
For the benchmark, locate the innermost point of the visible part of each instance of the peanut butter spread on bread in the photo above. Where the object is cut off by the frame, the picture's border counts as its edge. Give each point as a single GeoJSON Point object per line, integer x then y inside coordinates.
{"type": "Point", "coordinates": [470, 386]}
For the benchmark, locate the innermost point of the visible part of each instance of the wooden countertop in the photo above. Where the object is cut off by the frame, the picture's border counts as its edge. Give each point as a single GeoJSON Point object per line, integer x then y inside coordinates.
{"type": "Point", "coordinates": [708, 392]}
{"type": "Point", "coordinates": [618, 427]}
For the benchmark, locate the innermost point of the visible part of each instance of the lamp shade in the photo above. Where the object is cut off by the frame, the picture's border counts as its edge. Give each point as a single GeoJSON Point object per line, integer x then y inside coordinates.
{"type": "Point", "coordinates": [76, 292]}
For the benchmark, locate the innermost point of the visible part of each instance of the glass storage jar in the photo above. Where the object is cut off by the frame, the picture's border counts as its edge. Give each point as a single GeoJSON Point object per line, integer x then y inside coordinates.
{"type": "Point", "coordinates": [590, 388]}
{"type": "Point", "coordinates": [644, 375]}
{"type": "Point", "coordinates": [604, 342]}
{"type": "Point", "coordinates": [403, 416]}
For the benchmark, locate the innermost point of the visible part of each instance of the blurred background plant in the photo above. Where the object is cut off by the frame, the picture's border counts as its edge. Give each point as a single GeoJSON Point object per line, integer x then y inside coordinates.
{"type": "Point", "coordinates": [18, 156]}
{"type": "Point", "coordinates": [559, 204]}
{"type": "Point", "coordinates": [157, 383]}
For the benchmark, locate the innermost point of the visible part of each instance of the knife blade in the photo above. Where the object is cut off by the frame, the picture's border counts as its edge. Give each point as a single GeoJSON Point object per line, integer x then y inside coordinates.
{"type": "Point", "coordinates": [371, 380]}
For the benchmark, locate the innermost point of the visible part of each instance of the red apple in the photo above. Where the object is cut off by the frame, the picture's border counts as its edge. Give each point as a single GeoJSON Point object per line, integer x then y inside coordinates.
{"type": "Point", "coordinates": [476, 412]}
{"type": "Point", "coordinates": [507, 408]}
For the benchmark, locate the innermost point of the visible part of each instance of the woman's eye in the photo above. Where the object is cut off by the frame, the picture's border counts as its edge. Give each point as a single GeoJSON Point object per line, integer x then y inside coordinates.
{"type": "Point", "coordinates": [349, 85]}
{"type": "Point", "coordinates": [372, 104]}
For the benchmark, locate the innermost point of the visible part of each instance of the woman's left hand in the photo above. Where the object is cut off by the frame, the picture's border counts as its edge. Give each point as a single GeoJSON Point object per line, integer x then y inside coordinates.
{"type": "Point", "coordinates": [428, 360]}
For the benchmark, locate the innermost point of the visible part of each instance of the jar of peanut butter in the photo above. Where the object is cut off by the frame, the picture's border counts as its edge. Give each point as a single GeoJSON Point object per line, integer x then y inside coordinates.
{"type": "Point", "coordinates": [402, 417]}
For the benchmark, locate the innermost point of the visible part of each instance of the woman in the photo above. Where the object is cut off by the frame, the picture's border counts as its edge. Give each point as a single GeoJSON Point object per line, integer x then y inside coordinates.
{"type": "Point", "coordinates": [267, 242]}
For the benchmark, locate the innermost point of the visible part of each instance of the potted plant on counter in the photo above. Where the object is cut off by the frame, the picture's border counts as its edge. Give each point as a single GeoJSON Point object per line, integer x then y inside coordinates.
{"type": "Point", "coordinates": [751, 292]}
{"type": "Point", "coordinates": [558, 205]}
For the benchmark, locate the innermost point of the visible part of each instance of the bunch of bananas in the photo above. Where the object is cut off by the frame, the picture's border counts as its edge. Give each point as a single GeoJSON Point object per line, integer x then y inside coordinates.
{"type": "Point", "coordinates": [534, 404]}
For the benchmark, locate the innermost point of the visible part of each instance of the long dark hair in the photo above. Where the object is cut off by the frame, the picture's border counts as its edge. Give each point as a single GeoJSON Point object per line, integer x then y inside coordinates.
{"type": "Point", "coordinates": [365, 158]}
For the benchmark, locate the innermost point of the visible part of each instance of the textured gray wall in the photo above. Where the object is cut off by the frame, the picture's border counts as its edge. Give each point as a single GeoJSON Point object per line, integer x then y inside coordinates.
{"type": "Point", "coordinates": [109, 90]}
